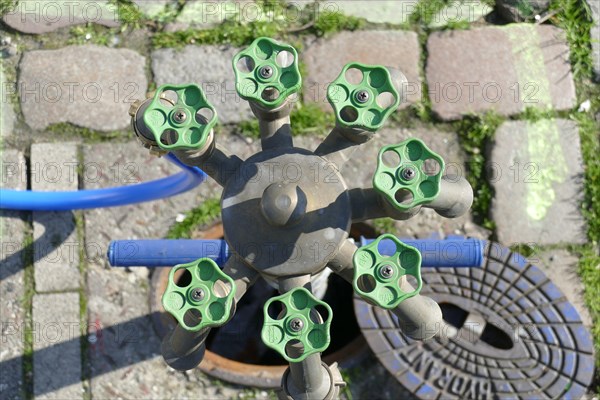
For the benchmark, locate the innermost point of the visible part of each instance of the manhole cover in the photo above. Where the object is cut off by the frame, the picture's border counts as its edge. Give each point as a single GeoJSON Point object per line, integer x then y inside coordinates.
{"type": "Point", "coordinates": [510, 334]}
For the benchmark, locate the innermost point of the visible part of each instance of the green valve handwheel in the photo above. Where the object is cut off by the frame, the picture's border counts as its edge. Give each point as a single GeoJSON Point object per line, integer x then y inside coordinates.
{"type": "Point", "coordinates": [180, 117]}
{"type": "Point", "coordinates": [408, 174]}
{"type": "Point", "coordinates": [267, 72]}
{"type": "Point", "coordinates": [378, 278]}
{"type": "Point", "coordinates": [200, 296]}
{"type": "Point", "coordinates": [292, 320]}
{"type": "Point", "coordinates": [363, 96]}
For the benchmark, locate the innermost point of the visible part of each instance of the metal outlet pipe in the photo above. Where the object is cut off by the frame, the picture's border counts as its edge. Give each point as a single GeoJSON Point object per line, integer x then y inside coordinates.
{"type": "Point", "coordinates": [455, 198]}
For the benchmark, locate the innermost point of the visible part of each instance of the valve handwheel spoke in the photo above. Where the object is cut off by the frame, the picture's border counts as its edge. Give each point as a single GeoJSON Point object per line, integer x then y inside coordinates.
{"type": "Point", "coordinates": [412, 178]}
{"type": "Point", "coordinates": [378, 278]}
{"type": "Point", "coordinates": [295, 324]}
{"type": "Point", "coordinates": [266, 72]}
{"type": "Point", "coordinates": [366, 101]}
{"type": "Point", "coordinates": [180, 117]}
{"type": "Point", "coordinates": [205, 298]}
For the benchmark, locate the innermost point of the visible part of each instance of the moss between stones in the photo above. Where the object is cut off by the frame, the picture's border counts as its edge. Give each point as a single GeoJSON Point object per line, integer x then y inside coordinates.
{"type": "Point", "coordinates": [475, 132]}
{"type": "Point", "coordinates": [207, 212]}
{"type": "Point", "coordinates": [276, 25]}
{"type": "Point", "coordinates": [65, 131]}
{"type": "Point", "coordinates": [306, 119]}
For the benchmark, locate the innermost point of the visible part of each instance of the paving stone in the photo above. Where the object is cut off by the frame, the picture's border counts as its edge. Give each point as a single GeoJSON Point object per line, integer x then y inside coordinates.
{"type": "Point", "coordinates": [89, 86]}
{"type": "Point", "coordinates": [325, 58]}
{"type": "Point", "coordinates": [560, 267]}
{"type": "Point", "coordinates": [56, 346]}
{"type": "Point", "coordinates": [208, 14]}
{"type": "Point", "coordinates": [209, 67]}
{"type": "Point", "coordinates": [519, 10]}
{"type": "Point", "coordinates": [7, 113]}
{"type": "Point", "coordinates": [595, 36]}
{"type": "Point", "coordinates": [528, 66]}
{"type": "Point", "coordinates": [378, 11]}
{"type": "Point", "coordinates": [151, 8]}
{"type": "Point", "coordinates": [467, 11]}
{"type": "Point", "coordinates": [358, 172]}
{"type": "Point", "coordinates": [13, 229]}
{"type": "Point", "coordinates": [41, 16]}
{"type": "Point", "coordinates": [56, 252]}
{"type": "Point", "coordinates": [538, 183]}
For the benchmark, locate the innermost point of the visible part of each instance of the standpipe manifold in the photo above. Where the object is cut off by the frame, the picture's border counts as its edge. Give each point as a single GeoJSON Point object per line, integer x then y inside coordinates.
{"type": "Point", "coordinates": [289, 229]}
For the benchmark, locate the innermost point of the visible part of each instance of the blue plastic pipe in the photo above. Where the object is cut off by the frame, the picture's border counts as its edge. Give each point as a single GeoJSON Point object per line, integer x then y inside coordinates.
{"type": "Point", "coordinates": [181, 182]}
{"type": "Point", "coordinates": [451, 252]}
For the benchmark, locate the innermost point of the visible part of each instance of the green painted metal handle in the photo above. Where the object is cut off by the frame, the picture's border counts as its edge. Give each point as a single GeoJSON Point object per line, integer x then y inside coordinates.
{"type": "Point", "coordinates": [200, 297]}
{"type": "Point", "coordinates": [180, 117]}
{"type": "Point", "coordinates": [368, 101]}
{"type": "Point", "coordinates": [408, 174]}
{"type": "Point", "coordinates": [378, 278]}
{"type": "Point", "coordinates": [296, 324]}
{"type": "Point", "coordinates": [266, 72]}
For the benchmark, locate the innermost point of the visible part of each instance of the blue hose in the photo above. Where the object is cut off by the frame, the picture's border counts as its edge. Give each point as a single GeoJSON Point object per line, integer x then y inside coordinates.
{"type": "Point", "coordinates": [454, 251]}
{"type": "Point", "coordinates": [183, 181]}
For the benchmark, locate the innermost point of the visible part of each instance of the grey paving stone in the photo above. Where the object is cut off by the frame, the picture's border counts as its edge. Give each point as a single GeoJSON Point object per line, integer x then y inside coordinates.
{"type": "Point", "coordinates": [208, 14]}
{"type": "Point", "coordinates": [358, 172]}
{"type": "Point", "coordinates": [89, 86]}
{"type": "Point", "coordinates": [528, 66]}
{"type": "Point", "coordinates": [538, 183]}
{"type": "Point", "coordinates": [7, 113]}
{"type": "Point", "coordinates": [325, 58]}
{"type": "Point", "coordinates": [13, 228]}
{"type": "Point", "coordinates": [561, 267]}
{"type": "Point", "coordinates": [519, 10]}
{"type": "Point", "coordinates": [151, 8]}
{"type": "Point", "coordinates": [595, 36]}
{"type": "Point", "coordinates": [56, 346]}
{"type": "Point", "coordinates": [53, 168]}
{"type": "Point", "coordinates": [379, 11]}
{"type": "Point", "coordinates": [41, 16]}
{"type": "Point", "coordinates": [208, 66]}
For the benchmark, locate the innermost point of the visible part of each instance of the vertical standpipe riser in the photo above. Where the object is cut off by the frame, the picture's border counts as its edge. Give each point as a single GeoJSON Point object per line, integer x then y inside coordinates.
{"type": "Point", "coordinates": [184, 350]}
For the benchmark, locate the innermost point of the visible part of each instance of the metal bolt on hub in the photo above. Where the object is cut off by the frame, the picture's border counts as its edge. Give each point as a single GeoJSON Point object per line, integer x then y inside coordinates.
{"type": "Point", "coordinates": [296, 324]}
{"type": "Point", "coordinates": [362, 96]}
{"type": "Point", "coordinates": [408, 174]}
{"type": "Point", "coordinates": [386, 271]}
{"type": "Point", "coordinates": [179, 116]}
{"type": "Point", "coordinates": [266, 72]}
{"type": "Point", "coordinates": [198, 294]}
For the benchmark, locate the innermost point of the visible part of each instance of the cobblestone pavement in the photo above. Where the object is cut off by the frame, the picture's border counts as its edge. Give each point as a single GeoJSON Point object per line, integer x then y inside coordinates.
{"type": "Point", "coordinates": [73, 328]}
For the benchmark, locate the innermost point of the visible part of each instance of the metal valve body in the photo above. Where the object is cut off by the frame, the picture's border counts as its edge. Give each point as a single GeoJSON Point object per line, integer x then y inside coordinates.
{"type": "Point", "coordinates": [286, 211]}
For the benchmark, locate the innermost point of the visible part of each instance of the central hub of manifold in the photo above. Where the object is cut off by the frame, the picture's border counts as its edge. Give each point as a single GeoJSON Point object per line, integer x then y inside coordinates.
{"type": "Point", "coordinates": [283, 204]}
{"type": "Point", "coordinates": [286, 212]}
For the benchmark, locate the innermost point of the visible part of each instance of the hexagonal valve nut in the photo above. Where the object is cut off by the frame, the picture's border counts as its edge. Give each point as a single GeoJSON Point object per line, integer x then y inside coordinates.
{"type": "Point", "coordinates": [199, 295]}
{"type": "Point", "coordinates": [378, 278]}
{"type": "Point", "coordinates": [295, 326]}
